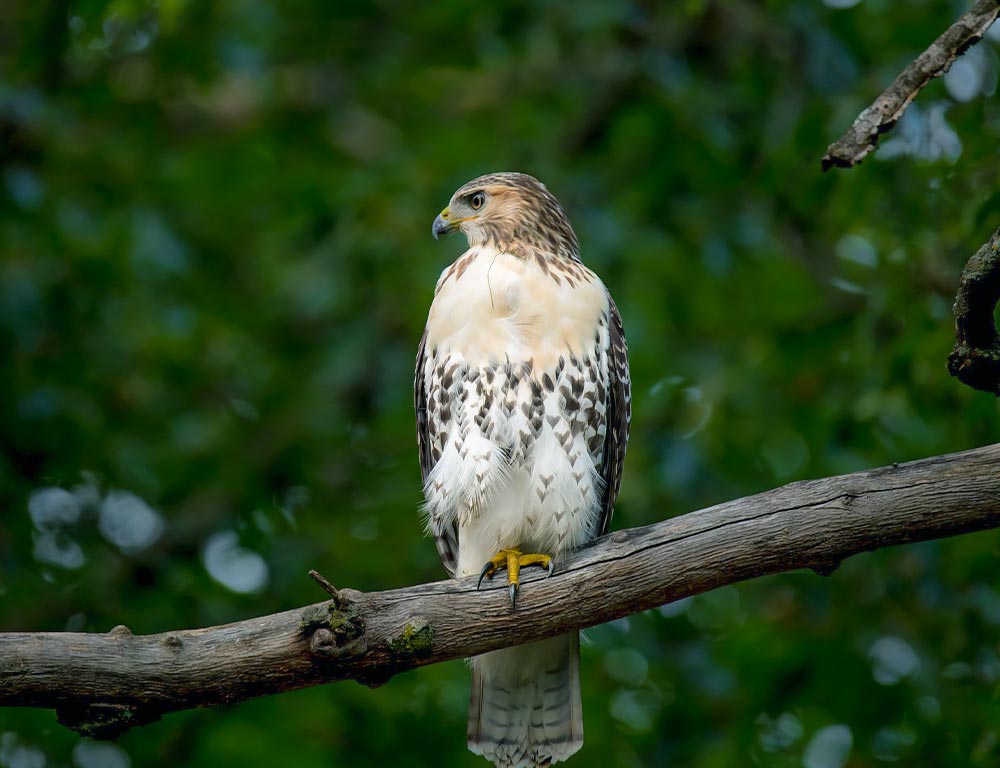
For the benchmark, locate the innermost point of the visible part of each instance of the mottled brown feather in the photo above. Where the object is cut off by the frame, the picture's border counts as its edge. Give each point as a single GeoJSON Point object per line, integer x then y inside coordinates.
{"type": "Point", "coordinates": [446, 540]}
{"type": "Point", "coordinates": [619, 416]}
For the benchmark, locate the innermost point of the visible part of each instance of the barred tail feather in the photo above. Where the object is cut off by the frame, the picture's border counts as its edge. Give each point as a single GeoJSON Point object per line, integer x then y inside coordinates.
{"type": "Point", "coordinates": [525, 709]}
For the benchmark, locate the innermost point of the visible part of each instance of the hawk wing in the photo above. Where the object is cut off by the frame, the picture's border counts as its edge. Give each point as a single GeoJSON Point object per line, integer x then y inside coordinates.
{"type": "Point", "coordinates": [617, 416]}
{"type": "Point", "coordinates": [445, 537]}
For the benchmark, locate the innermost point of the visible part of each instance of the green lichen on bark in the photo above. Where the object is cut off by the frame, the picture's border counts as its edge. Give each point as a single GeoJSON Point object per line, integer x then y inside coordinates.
{"type": "Point", "coordinates": [315, 616]}
{"type": "Point", "coordinates": [416, 639]}
{"type": "Point", "coordinates": [335, 631]}
{"type": "Point", "coordinates": [346, 624]}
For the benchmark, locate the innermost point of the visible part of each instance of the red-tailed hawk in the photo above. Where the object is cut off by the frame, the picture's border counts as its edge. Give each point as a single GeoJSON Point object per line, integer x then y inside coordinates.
{"type": "Point", "coordinates": [523, 402]}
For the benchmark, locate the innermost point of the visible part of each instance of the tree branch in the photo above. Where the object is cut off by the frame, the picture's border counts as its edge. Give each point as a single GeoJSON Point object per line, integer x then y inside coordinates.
{"type": "Point", "coordinates": [862, 137]}
{"type": "Point", "coordinates": [975, 360]}
{"type": "Point", "coordinates": [103, 684]}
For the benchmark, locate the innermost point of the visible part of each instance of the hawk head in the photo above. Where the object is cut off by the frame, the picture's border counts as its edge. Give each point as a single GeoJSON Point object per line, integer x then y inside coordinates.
{"type": "Point", "coordinates": [513, 212]}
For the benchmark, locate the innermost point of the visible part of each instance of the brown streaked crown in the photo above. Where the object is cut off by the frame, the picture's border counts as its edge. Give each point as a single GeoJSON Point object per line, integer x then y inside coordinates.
{"type": "Point", "coordinates": [520, 216]}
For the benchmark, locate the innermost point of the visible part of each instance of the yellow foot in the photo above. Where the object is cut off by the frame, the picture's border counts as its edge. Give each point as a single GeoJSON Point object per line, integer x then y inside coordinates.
{"type": "Point", "coordinates": [513, 560]}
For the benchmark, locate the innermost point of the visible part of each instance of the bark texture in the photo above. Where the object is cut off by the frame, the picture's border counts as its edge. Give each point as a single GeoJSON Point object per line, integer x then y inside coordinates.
{"type": "Point", "coordinates": [103, 684]}
{"type": "Point", "coordinates": [862, 137]}
{"type": "Point", "coordinates": [975, 360]}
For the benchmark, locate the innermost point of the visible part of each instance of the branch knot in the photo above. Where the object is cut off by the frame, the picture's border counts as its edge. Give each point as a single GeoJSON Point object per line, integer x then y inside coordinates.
{"type": "Point", "coordinates": [335, 632]}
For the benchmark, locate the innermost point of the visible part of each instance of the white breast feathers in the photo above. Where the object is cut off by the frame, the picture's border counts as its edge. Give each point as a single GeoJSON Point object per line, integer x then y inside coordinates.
{"type": "Point", "coordinates": [516, 376]}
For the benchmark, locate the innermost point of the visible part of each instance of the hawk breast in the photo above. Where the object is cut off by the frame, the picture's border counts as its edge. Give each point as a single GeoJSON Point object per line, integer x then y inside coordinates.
{"type": "Point", "coordinates": [513, 392]}
{"type": "Point", "coordinates": [492, 306]}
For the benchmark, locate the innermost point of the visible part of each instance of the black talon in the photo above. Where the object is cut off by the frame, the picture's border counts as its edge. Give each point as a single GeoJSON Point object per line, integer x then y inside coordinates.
{"type": "Point", "coordinates": [513, 595]}
{"type": "Point", "coordinates": [487, 571]}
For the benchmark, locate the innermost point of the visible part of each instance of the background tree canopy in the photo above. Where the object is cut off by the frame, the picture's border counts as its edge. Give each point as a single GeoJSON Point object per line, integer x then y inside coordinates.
{"type": "Point", "coordinates": [215, 264]}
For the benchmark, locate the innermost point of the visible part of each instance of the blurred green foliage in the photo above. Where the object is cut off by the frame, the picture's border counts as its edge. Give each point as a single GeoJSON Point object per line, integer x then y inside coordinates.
{"type": "Point", "coordinates": [215, 265]}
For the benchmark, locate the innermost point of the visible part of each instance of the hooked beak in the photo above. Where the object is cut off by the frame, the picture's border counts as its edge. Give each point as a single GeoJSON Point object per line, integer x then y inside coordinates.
{"type": "Point", "coordinates": [443, 225]}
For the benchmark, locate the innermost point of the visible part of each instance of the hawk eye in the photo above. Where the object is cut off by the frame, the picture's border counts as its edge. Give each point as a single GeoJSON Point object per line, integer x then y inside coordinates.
{"type": "Point", "coordinates": [477, 201]}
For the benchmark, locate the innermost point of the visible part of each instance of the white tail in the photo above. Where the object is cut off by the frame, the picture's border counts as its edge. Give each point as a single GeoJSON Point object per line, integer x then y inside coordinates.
{"type": "Point", "coordinates": [525, 709]}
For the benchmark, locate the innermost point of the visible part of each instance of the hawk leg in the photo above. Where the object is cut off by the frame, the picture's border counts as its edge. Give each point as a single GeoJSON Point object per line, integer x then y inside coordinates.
{"type": "Point", "coordinates": [513, 560]}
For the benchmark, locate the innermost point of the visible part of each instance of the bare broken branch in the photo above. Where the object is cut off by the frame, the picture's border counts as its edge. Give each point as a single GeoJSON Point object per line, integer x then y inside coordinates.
{"type": "Point", "coordinates": [862, 137]}
{"type": "Point", "coordinates": [331, 590]}
{"type": "Point", "coordinates": [104, 684]}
